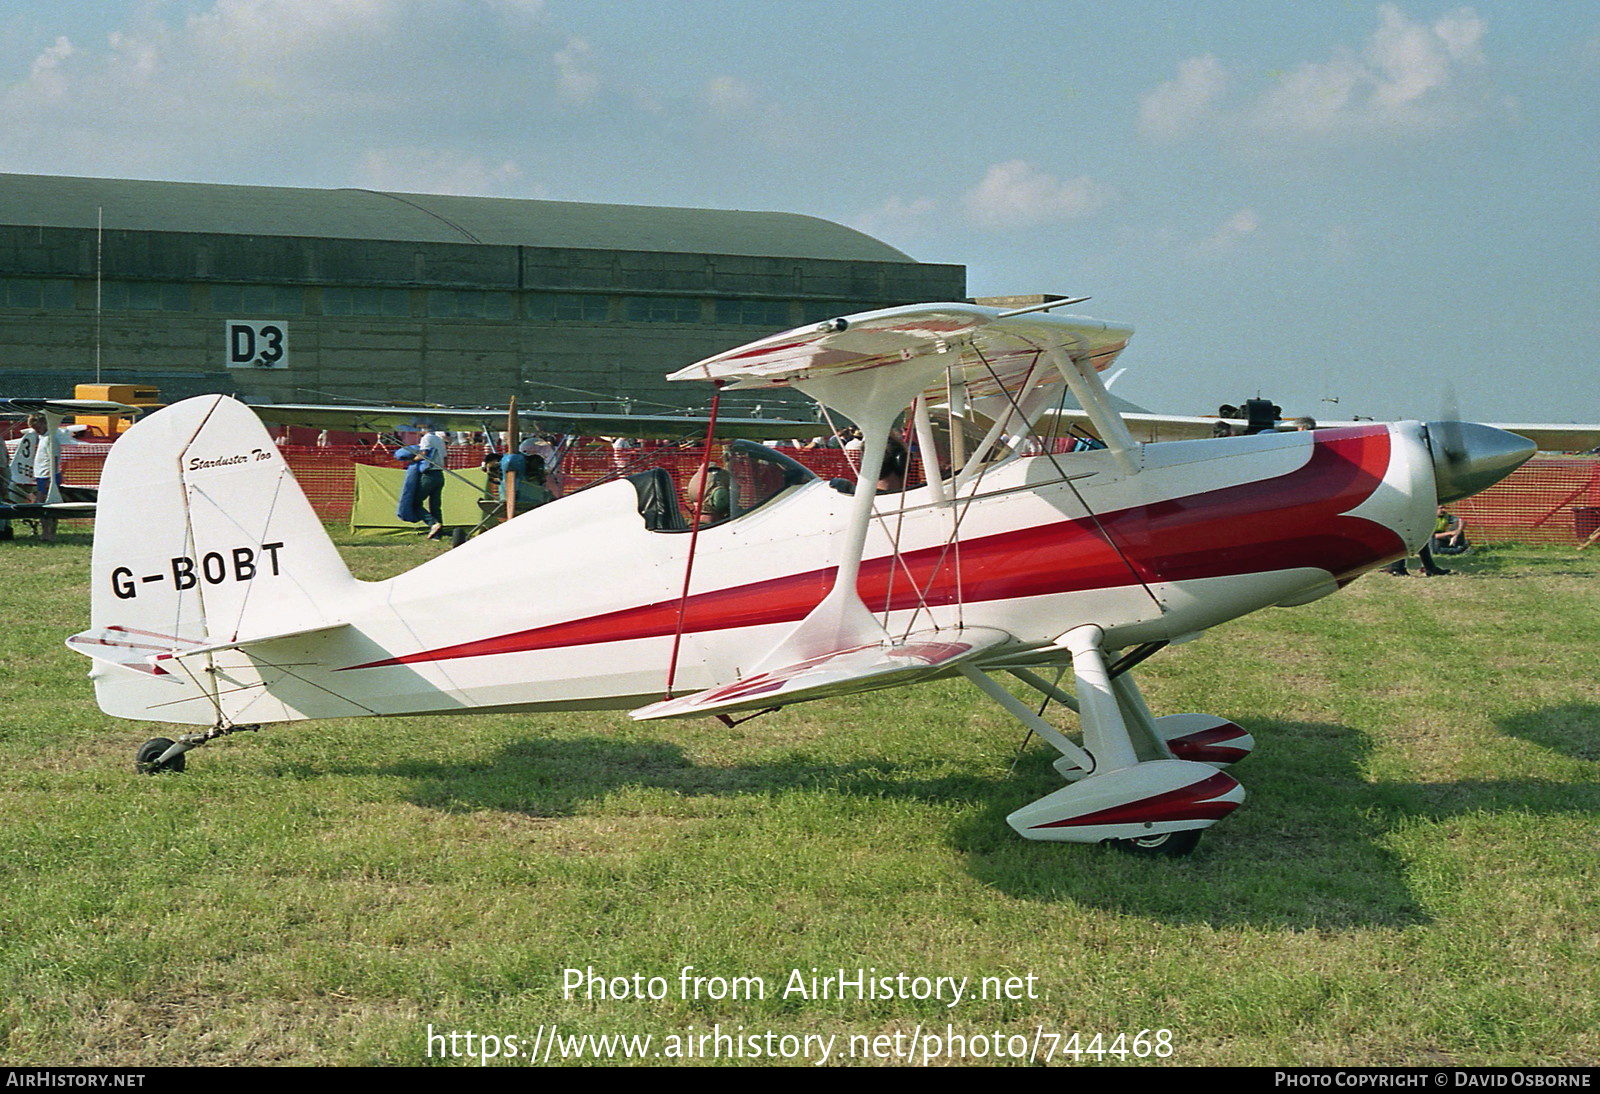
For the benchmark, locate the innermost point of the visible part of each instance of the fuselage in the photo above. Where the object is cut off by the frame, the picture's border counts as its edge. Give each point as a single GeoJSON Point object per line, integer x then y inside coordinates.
{"type": "Point", "coordinates": [577, 604]}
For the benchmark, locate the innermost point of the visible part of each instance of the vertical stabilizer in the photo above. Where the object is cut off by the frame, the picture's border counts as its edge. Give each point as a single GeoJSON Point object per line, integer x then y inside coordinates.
{"type": "Point", "coordinates": [202, 537]}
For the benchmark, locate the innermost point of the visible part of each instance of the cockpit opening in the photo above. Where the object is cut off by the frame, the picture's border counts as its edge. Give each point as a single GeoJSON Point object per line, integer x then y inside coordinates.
{"type": "Point", "coordinates": [748, 476]}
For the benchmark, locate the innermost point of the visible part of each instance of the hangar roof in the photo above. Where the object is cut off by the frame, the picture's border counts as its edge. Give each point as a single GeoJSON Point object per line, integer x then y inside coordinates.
{"type": "Point", "coordinates": [50, 201]}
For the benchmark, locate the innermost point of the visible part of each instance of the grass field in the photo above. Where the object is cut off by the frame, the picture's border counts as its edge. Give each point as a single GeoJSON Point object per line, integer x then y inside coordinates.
{"type": "Point", "coordinates": [1412, 881]}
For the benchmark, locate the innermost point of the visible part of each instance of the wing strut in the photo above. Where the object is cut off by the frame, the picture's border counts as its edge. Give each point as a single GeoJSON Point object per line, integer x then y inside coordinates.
{"type": "Point", "coordinates": [977, 462]}
{"type": "Point", "coordinates": [872, 400]}
{"type": "Point", "coordinates": [1078, 371]}
{"type": "Point", "coordinates": [928, 450]}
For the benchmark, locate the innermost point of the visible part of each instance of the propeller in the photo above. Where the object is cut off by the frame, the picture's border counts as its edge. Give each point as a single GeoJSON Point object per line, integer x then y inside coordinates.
{"type": "Point", "coordinates": [1469, 457]}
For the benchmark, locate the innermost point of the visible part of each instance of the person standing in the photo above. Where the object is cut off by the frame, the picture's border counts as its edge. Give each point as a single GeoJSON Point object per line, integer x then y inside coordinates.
{"type": "Point", "coordinates": [20, 484]}
{"type": "Point", "coordinates": [46, 461]}
{"type": "Point", "coordinates": [432, 459]}
{"type": "Point", "coordinates": [47, 472]}
{"type": "Point", "coordinates": [5, 498]}
{"type": "Point", "coordinates": [22, 459]}
{"type": "Point", "coordinates": [410, 507]}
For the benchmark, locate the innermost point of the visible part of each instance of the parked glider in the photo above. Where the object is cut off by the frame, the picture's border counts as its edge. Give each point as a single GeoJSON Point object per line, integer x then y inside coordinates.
{"type": "Point", "coordinates": [219, 601]}
{"type": "Point", "coordinates": [1145, 426]}
{"type": "Point", "coordinates": [391, 419]}
{"type": "Point", "coordinates": [62, 502]}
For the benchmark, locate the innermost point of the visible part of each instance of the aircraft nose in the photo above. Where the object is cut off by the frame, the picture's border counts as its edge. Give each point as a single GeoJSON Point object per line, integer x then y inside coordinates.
{"type": "Point", "coordinates": [1469, 457]}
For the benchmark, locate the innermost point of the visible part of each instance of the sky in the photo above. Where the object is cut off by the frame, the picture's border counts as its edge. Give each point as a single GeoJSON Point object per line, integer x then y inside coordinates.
{"type": "Point", "coordinates": [1381, 209]}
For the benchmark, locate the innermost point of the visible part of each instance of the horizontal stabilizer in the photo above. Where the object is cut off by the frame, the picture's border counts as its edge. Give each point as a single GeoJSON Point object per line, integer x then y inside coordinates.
{"type": "Point", "coordinates": [145, 651]}
{"type": "Point", "coordinates": [139, 650]}
{"type": "Point", "coordinates": [840, 672]}
{"type": "Point", "coordinates": [67, 406]}
{"type": "Point", "coordinates": [259, 640]}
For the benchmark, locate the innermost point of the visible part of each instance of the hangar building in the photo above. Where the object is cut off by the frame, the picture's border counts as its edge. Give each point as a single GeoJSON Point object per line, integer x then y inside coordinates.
{"type": "Point", "coordinates": [296, 295]}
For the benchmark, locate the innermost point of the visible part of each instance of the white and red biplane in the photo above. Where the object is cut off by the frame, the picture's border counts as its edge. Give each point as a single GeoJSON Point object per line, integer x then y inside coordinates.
{"type": "Point", "coordinates": [218, 600]}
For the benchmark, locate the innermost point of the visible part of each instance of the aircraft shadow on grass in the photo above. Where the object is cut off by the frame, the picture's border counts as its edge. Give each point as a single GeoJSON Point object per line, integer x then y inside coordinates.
{"type": "Point", "coordinates": [1309, 852]}
{"type": "Point", "coordinates": [1572, 729]}
{"type": "Point", "coordinates": [1310, 848]}
{"type": "Point", "coordinates": [1305, 852]}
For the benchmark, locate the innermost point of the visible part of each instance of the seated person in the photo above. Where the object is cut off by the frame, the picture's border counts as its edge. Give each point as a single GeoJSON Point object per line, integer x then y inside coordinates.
{"type": "Point", "coordinates": [492, 472]}
{"type": "Point", "coordinates": [1449, 534]}
{"type": "Point", "coordinates": [527, 470]}
{"type": "Point", "coordinates": [712, 502]}
{"type": "Point", "coordinates": [892, 476]}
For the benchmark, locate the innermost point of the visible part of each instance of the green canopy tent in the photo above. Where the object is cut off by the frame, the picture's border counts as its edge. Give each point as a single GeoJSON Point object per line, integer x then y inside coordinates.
{"type": "Point", "coordinates": [378, 496]}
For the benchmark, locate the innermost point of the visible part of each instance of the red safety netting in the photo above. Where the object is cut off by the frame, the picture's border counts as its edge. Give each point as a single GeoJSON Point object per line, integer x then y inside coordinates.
{"type": "Point", "coordinates": [1551, 499]}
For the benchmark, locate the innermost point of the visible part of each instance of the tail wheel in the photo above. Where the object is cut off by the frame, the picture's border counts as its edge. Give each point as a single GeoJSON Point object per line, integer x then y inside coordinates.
{"type": "Point", "coordinates": [1162, 845]}
{"type": "Point", "coordinates": [146, 759]}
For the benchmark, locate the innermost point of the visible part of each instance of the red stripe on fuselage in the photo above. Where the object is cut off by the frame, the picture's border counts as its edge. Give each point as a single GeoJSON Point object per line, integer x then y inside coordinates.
{"type": "Point", "coordinates": [1290, 521]}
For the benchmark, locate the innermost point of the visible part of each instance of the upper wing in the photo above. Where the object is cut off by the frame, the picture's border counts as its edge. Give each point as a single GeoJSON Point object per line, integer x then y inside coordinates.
{"type": "Point", "coordinates": [993, 350]}
{"type": "Point", "coordinates": [364, 419]}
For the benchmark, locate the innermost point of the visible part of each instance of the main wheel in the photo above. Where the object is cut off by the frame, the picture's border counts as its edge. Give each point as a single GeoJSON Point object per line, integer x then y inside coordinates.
{"type": "Point", "coordinates": [1161, 845]}
{"type": "Point", "coordinates": [458, 537]}
{"type": "Point", "coordinates": [144, 761]}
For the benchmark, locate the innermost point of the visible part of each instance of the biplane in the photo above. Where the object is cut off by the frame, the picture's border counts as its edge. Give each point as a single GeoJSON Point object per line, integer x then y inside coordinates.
{"type": "Point", "coordinates": [220, 603]}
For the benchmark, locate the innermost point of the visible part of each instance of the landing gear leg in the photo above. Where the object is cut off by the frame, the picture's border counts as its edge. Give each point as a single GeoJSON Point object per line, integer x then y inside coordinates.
{"type": "Point", "coordinates": [1132, 792]}
{"type": "Point", "coordinates": [1075, 758]}
{"type": "Point", "coordinates": [164, 754]}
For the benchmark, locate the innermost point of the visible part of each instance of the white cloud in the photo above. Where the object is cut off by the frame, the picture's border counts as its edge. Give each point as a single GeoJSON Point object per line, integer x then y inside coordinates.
{"type": "Point", "coordinates": [289, 90]}
{"type": "Point", "coordinates": [45, 73]}
{"type": "Point", "coordinates": [1230, 233]}
{"type": "Point", "coordinates": [895, 217]}
{"type": "Point", "coordinates": [729, 96]}
{"type": "Point", "coordinates": [1462, 32]}
{"type": "Point", "coordinates": [732, 109]}
{"type": "Point", "coordinates": [1015, 194]}
{"type": "Point", "coordinates": [47, 61]}
{"type": "Point", "coordinates": [1178, 105]}
{"type": "Point", "coordinates": [1409, 77]}
{"type": "Point", "coordinates": [574, 79]}
{"type": "Point", "coordinates": [1312, 98]}
{"type": "Point", "coordinates": [1341, 243]}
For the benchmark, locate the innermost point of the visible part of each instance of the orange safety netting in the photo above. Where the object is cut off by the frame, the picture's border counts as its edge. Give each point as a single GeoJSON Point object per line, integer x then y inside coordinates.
{"type": "Point", "coordinates": [1551, 499]}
